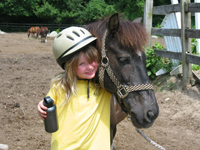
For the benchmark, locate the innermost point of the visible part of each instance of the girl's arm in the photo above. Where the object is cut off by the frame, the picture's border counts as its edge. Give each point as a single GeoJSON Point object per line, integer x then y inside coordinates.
{"type": "Point", "coordinates": [41, 110]}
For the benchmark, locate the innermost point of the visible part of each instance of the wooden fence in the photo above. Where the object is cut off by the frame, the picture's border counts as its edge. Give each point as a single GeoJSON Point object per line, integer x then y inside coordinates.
{"type": "Point", "coordinates": [185, 33]}
{"type": "Point", "coordinates": [23, 27]}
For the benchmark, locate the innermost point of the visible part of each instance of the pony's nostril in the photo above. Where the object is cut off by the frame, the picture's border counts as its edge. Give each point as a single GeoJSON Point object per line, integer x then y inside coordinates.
{"type": "Point", "coordinates": [150, 115]}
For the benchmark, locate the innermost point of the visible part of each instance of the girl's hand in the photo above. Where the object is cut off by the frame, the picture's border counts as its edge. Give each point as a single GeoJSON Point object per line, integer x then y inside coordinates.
{"type": "Point", "coordinates": [41, 110]}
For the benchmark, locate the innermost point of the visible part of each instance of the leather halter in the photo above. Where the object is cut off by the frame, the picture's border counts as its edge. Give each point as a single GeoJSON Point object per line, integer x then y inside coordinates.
{"type": "Point", "coordinates": [122, 90]}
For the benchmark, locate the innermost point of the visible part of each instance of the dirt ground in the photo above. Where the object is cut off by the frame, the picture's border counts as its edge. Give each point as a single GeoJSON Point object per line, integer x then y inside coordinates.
{"type": "Point", "coordinates": [26, 68]}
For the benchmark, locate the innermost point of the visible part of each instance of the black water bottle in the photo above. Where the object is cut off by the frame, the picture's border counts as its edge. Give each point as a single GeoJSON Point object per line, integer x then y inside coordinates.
{"type": "Point", "coordinates": [50, 122]}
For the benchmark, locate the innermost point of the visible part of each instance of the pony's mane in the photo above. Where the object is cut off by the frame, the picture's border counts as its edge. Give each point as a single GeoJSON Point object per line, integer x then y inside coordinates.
{"type": "Point", "coordinates": [130, 35]}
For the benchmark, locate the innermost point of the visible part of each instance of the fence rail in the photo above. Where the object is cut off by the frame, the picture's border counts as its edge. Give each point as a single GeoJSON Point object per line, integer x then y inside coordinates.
{"type": "Point", "coordinates": [23, 27]}
{"type": "Point", "coordinates": [186, 9]}
{"type": "Point", "coordinates": [166, 9]}
{"type": "Point", "coordinates": [189, 33]}
{"type": "Point", "coordinates": [178, 55]}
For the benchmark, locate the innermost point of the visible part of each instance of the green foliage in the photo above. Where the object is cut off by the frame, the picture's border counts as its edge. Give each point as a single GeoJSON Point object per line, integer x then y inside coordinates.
{"type": "Point", "coordinates": [58, 30]}
{"type": "Point", "coordinates": [194, 51]}
{"type": "Point", "coordinates": [194, 45]}
{"type": "Point", "coordinates": [17, 8]}
{"type": "Point", "coordinates": [158, 26]}
{"type": "Point", "coordinates": [157, 19]}
{"type": "Point", "coordinates": [130, 9]}
{"type": "Point", "coordinates": [72, 12]}
{"type": "Point", "coordinates": [162, 88]}
{"type": "Point", "coordinates": [68, 11]}
{"type": "Point", "coordinates": [155, 63]}
{"type": "Point", "coordinates": [95, 9]}
{"type": "Point", "coordinates": [158, 46]}
{"type": "Point", "coordinates": [170, 85]}
{"type": "Point", "coordinates": [195, 67]}
{"type": "Point", "coordinates": [46, 11]}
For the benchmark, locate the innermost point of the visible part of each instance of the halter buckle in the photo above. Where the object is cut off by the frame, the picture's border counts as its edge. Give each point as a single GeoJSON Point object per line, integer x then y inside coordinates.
{"type": "Point", "coordinates": [104, 62]}
{"type": "Point", "coordinates": [122, 92]}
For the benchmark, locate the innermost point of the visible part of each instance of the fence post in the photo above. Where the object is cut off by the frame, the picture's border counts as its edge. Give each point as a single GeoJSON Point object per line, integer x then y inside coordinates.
{"type": "Point", "coordinates": [148, 13]}
{"type": "Point", "coordinates": [186, 43]}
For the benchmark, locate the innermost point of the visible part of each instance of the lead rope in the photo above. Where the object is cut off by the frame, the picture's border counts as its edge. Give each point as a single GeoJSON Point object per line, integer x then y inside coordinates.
{"type": "Point", "coordinates": [146, 137]}
{"type": "Point", "coordinates": [149, 140]}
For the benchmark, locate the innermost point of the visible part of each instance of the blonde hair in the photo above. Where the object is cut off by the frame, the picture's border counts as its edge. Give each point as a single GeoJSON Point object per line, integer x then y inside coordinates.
{"type": "Point", "coordinates": [66, 81]}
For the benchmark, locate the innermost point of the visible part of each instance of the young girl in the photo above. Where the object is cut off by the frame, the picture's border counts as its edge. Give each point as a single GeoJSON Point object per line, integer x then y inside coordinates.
{"type": "Point", "coordinates": [83, 107]}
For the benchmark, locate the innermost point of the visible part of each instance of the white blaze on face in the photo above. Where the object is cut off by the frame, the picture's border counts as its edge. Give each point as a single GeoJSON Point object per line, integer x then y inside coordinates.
{"type": "Point", "coordinates": [139, 53]}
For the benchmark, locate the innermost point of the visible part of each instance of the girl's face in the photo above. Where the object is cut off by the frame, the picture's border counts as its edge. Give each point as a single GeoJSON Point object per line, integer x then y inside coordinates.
{"type": "Point", "coordinates": [85, 70]}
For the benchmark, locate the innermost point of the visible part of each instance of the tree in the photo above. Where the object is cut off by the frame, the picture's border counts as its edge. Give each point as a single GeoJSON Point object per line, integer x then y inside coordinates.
{"type": "Point", "coordinates": [46, 11]}
{"type": "Point", "coordinates": [17, 8]}
{"type": "Point", "coordinates": [95, 9]}
{"type": "Point", "coordinates": [69, 11]}
{"type": "Point", "coordinates": [132, 9]}
{"type": "Point", "coordinates": [81, 12]}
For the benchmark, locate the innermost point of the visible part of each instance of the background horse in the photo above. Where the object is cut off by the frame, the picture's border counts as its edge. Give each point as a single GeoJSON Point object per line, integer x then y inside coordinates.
{"type": "Point", "coordinates": [123, 72]}
{"type": "Point", "coordinates": [43, 33]}
{"type": "Point", "coordinates": [34, 30]}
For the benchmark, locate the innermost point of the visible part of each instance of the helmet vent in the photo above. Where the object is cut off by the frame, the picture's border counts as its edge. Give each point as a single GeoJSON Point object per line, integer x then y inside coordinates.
{"type": "Point", "coordinates": [82, 31]}
{"type": "Point", "coordinates": [59, 35]}
{"type": "Point", "coordinates": [69, 37]}
{"type": "Point", "coordinates": [76, 33]}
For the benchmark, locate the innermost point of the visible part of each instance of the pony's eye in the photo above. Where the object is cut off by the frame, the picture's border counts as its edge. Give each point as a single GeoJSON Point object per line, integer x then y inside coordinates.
{"type": "Point", "coordinates": [124, 60]}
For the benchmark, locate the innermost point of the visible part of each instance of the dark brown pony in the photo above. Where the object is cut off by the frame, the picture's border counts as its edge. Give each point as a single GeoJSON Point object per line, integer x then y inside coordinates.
{"type": "Point", "coordinates": [34, 30]}
{"type": "Point", "coordinates": [123, 72]}
{"type": "Point", "coordinates": [43, 33]}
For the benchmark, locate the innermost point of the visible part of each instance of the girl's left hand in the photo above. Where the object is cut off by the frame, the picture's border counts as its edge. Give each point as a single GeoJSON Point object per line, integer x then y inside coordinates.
{"type": "Point", "coordinates": [42, 110]}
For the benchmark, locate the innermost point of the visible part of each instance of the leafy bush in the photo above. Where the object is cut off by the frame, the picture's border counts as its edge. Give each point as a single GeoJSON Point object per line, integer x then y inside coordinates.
{"type": "Point", "coordinates": [155, 63]}
{"type": "Point", "coordinates": [195, 67]}
{"type": "Point", "coordinates": [194, 45]}
{"type": "Point", "coordinates": [194, 51]}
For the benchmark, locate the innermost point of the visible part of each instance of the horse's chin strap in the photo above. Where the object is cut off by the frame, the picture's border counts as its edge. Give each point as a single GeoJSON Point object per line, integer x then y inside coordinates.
{"type": "Point", "coordinates": [122, 106]}
{"type": "Point", "coordinates": [122, 90]}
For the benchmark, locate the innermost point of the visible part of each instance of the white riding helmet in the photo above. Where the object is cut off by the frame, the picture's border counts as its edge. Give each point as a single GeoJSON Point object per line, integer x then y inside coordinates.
{"type": "Point", "coordinates": [69, 41]}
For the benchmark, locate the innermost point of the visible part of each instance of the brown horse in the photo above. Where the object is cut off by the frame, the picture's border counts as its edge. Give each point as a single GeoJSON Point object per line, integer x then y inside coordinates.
{"type": "Point", "coordinates": [122, 70]}
{"type": "Point", "coordinates": [34, 30]}
{"type": "Point", "coordinates": [43, 33]}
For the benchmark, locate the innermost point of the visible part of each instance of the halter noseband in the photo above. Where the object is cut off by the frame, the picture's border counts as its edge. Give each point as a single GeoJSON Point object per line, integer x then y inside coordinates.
{"type": "Point", "coordinates": [122, 90]}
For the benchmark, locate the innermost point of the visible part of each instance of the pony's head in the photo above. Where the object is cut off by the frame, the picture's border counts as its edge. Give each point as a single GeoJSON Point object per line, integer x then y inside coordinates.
{"type": "Point", "coordinates": [123, 67]}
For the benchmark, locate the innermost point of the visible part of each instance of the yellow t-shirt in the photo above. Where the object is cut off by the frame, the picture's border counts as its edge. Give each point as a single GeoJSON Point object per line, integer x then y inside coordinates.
{"type": "Point", "coordinates": [84, 123]}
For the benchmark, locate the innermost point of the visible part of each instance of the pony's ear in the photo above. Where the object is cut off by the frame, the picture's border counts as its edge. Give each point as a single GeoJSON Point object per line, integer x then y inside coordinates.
{"type": "Point", "coordinates": [113, 23]}
{"type": "Point", "coordinates": [138, 20]}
